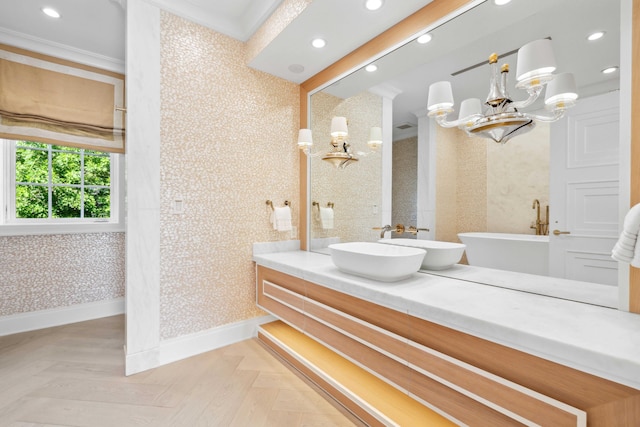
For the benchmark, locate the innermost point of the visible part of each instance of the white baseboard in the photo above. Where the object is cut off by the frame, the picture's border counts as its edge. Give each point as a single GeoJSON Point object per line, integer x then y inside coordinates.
{"type": "Point", "coordinates": [180, 348]}
{"type": "Point", "coordinates": [23, 322]}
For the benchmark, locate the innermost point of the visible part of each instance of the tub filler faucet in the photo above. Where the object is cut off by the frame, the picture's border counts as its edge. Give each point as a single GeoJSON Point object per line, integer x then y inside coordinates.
{"type": "Point", "coordinates": [541, 227]}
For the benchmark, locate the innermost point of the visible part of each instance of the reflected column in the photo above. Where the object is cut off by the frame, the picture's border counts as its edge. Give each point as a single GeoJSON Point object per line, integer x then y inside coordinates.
{"type": "Point", "coordinates": [426, 199]}
{"type": "Point", "coordinates": [387, 93]}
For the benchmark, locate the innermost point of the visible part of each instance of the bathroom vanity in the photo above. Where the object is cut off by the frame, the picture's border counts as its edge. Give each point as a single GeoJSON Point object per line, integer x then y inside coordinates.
{"type": "Point", "coordinates": [459, 352]}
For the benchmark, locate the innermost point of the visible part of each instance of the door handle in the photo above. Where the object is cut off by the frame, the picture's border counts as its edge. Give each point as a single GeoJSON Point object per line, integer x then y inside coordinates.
{"type": "Point", "coordinates": [558, 232]}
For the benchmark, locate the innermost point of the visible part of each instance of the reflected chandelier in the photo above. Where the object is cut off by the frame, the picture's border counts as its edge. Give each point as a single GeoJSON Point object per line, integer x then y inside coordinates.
{"type": "Point", "coordinates": [340, 155]}
{"type": "Point", "coordinates": [501, 119]}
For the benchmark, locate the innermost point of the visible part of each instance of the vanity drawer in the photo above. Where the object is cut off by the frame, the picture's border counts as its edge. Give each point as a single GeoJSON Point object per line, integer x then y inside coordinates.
{"type": "Point", "coordinates": [472, 380]}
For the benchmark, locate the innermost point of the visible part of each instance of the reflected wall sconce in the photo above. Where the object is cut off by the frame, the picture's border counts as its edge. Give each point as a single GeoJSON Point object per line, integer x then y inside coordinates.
{"type": "Point", "coordinates": [340, 154]}
{"type": "Point", "coordinates": [501, 120]}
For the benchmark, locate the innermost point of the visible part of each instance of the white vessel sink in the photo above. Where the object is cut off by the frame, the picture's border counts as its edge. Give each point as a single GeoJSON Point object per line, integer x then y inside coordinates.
{"type": "Point", "coordinates": [440, 255]}
{"type": "Point", "coordinates": [375, 261]}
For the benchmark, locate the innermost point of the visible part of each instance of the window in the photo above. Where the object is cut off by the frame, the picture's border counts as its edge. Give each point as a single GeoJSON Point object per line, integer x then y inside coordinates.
{"type": "Point", "coordinates": [49, 186]}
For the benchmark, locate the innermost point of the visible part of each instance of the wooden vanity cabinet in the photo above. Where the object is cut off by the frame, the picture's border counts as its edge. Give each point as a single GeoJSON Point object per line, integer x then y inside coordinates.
{"type": "Point", "coordinates": [471, 380]}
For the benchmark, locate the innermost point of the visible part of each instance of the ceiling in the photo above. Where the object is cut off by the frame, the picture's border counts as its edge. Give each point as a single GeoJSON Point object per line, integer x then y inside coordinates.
{"type": "Point", "coordinates": [469, 39]}
{"type": "Point", "coordinates": [95, 29]}
{"type": "Point", "coordinates": [93, 32]}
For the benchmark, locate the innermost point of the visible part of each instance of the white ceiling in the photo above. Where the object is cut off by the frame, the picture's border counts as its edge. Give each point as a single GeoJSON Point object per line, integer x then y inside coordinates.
{"type": "Point", "coordinates": [96, 28]}
{"type": "Point", "coordinates": [470, 39]}
{"type": "Point", "coordinates": [93, 32]}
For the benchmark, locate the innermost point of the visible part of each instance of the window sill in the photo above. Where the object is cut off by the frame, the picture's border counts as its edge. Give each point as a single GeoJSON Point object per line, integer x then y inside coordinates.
{"type": "Point", "coordinates": [60, 228]}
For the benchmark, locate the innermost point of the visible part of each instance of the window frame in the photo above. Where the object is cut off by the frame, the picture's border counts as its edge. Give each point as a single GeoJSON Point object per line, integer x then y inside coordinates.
{"type": "Point", "coordinates": [10, 226]}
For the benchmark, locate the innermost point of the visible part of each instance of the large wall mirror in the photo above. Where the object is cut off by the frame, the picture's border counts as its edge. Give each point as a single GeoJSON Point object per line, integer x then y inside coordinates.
{"type": "Point", "coordinates": [441, 179]}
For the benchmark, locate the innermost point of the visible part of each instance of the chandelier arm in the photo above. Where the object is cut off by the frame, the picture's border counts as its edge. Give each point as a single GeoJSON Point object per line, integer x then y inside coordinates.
{"type": "Point", "coordinates": [442, 121]}
{"type": "Point", "coordinates": [534, 94]}
{"type": "Point", "coordinates": [556, 115]}
{"type": "Point", "coordinates": [461, 123]}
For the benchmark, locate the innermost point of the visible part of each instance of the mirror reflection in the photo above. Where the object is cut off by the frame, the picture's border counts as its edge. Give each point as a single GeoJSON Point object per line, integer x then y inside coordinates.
{"type": "Point", "coordinates": [559, 177]}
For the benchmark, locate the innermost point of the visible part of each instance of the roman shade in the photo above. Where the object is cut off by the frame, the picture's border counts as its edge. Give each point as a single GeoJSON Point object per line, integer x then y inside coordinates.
{"type": "Point", "coordinates": [59, 102]}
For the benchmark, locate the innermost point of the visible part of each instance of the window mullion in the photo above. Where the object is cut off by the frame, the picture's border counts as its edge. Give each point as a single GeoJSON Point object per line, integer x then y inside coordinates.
{"type": "Point", "coordinates": [50, 181]}
{"type": "Point", "coordinates": [81, 183]}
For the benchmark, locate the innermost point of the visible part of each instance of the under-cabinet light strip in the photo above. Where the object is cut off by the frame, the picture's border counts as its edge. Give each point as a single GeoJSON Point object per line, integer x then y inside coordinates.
{"type": "Point", "coordinates": [339, 386]}
{"type": "Point", "coordinates": [579, 414]}
{"type": "Point", "coordinates": [360, 340]}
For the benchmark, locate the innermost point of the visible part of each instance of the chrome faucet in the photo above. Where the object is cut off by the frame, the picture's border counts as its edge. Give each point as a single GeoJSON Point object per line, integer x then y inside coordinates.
{"type": "Point", "coordinates": [541, 227]}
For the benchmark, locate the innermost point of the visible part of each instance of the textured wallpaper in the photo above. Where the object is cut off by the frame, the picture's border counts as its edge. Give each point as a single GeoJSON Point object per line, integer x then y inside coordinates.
{"type": "Point", "coordinates": [355, 190]}
{"type": "Point", "coordinates": [228, 143]}
{"type": "Point", "coordinates": [52, 271]}
{"type": "Point", "coordinates": [405, 186]}
{"type": "Point", "coordinates": [461, 179]}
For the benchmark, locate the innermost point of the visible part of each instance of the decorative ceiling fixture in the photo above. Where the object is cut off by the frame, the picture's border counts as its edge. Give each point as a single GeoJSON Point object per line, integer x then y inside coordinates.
{"type": "Point", "coordinates": [502, 119]}
{"type": "Point", "coordinates": [340, 155]}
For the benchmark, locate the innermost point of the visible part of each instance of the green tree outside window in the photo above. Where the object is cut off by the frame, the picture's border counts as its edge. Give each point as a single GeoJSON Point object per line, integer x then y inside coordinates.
{"type": "Point", "coordinates": [61, 182]}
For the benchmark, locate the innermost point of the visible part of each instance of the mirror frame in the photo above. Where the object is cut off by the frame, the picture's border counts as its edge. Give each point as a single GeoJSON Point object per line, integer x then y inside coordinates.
{"type": "Point", "coordinates": [412, 25]}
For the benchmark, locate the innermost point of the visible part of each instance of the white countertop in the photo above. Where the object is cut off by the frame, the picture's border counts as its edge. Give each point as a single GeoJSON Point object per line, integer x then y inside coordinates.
{"type": "Point", "coordinates": [594, 339]}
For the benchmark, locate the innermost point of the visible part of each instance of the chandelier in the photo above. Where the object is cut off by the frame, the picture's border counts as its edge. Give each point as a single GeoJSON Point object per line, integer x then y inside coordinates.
{"type": "Point", "coordinates": [340, 154]}
{"type": "Point", "coordinates": [501, 119]}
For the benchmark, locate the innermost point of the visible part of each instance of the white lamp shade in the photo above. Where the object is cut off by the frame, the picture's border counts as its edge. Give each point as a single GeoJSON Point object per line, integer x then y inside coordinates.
{"type": "Point", "coordinates": [339, 126]}
{"type": "Point", "coordinates": [470, 107]}
{"type": "Point", "coordinates": [440, 96]}
{"type": "Point", "coordinates": [375, 137]}
{"type": "Point", "coordinates": [304, 138]}
{"type": "Point", "coordinates": [535, 59]}
{"type": "Point", "coordinates": [561, 89]}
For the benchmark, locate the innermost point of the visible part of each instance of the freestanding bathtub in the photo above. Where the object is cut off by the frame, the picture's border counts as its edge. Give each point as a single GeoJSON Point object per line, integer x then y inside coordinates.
{"type": "Point", "coordinates": [524, 253]}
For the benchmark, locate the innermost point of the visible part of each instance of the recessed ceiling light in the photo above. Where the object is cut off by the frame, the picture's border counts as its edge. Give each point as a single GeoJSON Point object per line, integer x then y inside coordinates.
{"type": "Point", "coordinates": [425, 38]}
{"type": "Point", "coordinates": [319, 43]}
{"type": "Point", "coordinates": [371, 68]}
{"type": "Point", "coordinates": [373, 4]}
{"type": "Point", "coordinates": [609, 70]}
{"type": "Point", "coordinates": [595, 36]}
{"type": "Point", "coordinates": [501, 2]}
{"type": "Point", "coordinates": [50, 12]}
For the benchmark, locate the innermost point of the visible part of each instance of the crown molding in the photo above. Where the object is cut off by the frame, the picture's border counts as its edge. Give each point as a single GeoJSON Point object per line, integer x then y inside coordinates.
{"type": "Point", "coordinates": [58, 50]}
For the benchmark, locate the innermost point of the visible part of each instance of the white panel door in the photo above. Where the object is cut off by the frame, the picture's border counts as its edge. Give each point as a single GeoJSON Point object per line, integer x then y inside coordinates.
{"type": "Point", "coordinates": [584, 191]}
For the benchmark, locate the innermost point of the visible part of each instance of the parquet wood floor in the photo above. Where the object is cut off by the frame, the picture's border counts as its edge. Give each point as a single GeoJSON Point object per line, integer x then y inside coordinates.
{"type": "Point", "coordinates": [73, 375]}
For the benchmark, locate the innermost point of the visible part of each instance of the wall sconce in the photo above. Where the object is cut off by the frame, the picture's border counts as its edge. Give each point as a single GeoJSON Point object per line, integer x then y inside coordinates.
{"type": "Point", "coordinates": [340, 155]}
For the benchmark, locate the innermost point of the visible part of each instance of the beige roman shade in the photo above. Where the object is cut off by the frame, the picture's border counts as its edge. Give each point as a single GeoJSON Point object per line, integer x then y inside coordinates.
{"type": "Point", "coordinates": [49, 100]}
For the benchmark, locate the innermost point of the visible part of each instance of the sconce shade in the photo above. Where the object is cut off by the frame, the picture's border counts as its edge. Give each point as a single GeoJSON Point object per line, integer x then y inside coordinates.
{"type": "Point", "coordinates": [562, 89]}
{"type": "Point", "coordinates": [470, 107]}
{"type": "Point", "coordinates": [304, 138]}
{"type": "Point", "coordinates": [339, 126]}
{"type": "Point", "coordinates": [440, 96]}
{"type": "Point", "coordinates": [535, 60]}
{"type": "Point", "coordinates": [375, 137]}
